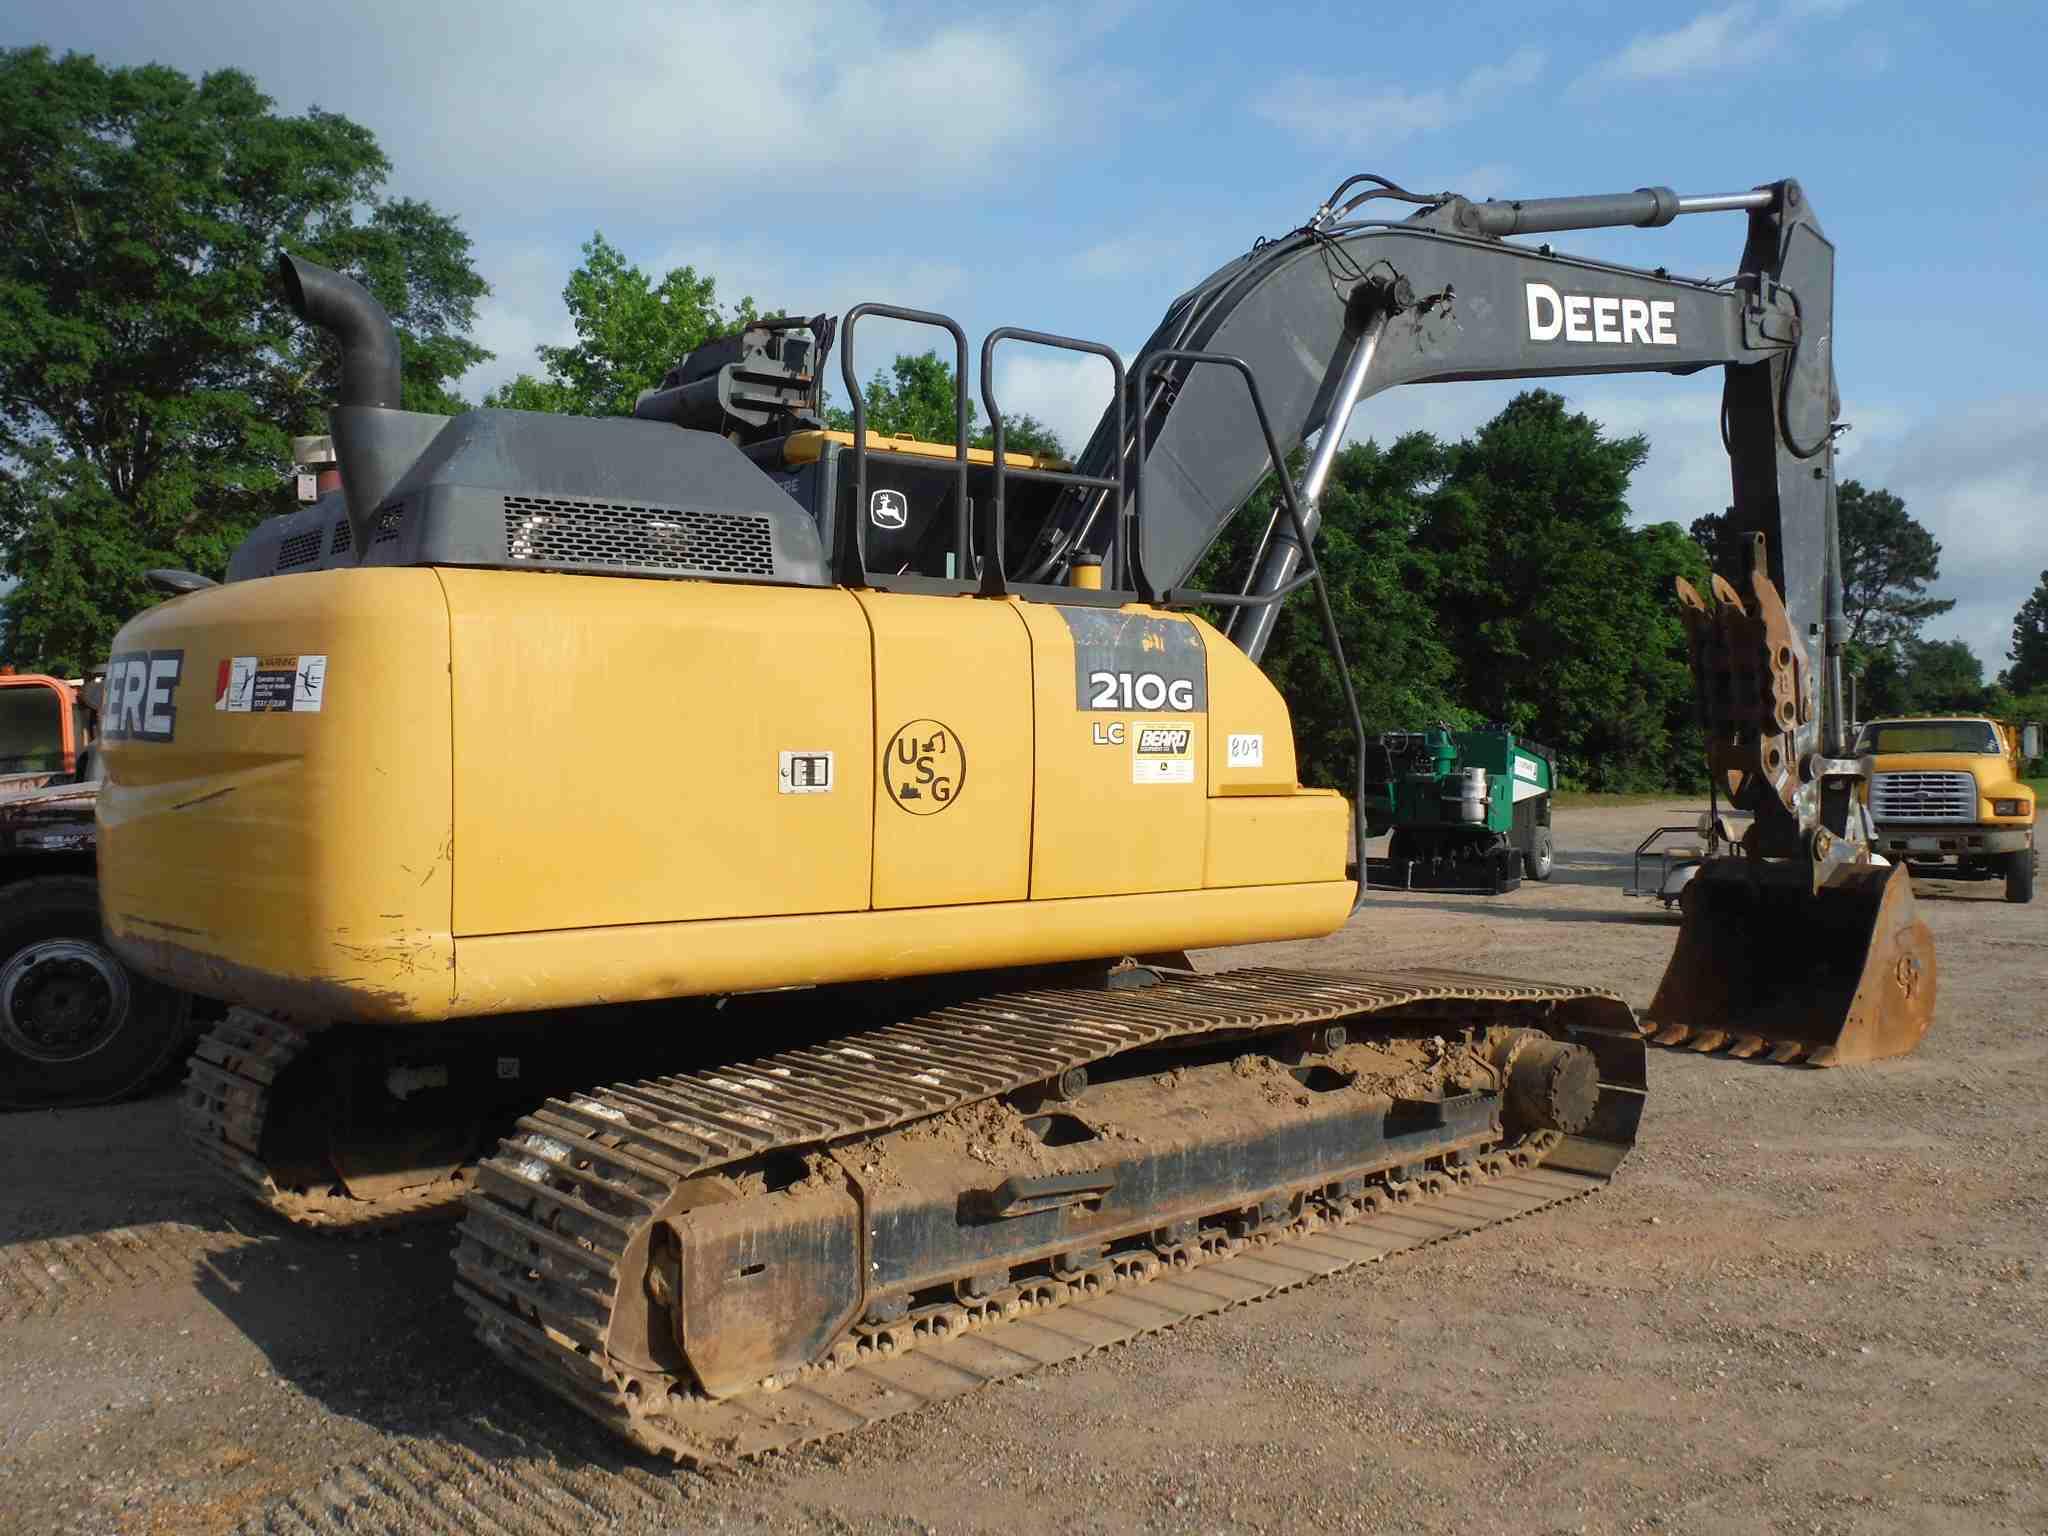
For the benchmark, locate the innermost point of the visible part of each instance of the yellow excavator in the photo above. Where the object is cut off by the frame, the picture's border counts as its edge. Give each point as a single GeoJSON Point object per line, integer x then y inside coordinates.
{"type": "Point", "coordinates": [781, 846]}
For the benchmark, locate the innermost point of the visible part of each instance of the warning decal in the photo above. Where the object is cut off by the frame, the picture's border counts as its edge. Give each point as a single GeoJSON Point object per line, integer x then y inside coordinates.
{"type": "Point", "coordinates": [264, 685]}
{"type": "Point", "coordinates": [1163, 754]}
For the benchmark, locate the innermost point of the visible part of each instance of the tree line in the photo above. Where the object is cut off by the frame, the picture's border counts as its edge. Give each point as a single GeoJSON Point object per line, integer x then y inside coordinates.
{"type": "Point", "coordinates": [151, 377]}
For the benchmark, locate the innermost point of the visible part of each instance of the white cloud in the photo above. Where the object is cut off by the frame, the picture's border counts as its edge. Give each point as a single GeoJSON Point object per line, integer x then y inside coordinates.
{"type": "Point", "coordinates": [1711, 40]}
{"type": "Point", "coordinates": [1067, 392]}
{"type": "Point", "coordinates": [1868, 55]}
{"type": "Point", "coordinates": [524, 310]}
{"type": "Point", "coordinates": [1120, 256]}
{"type": "Point", "coordinates": [1734, 34]}
{"type": "Point", "coordinates": [508, 105]}
{"type": "Point", "coordinates": [1361, 116]}
{"type": "Point", "coordinates": [1977, 477]}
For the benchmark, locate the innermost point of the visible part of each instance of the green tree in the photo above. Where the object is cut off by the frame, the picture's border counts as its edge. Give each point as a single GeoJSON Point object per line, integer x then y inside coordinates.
{"type": "Point", "coordinates": [150, 373]}
{"type": "Point", "coordinates": [630, 330]}
{"type": "Point", "coordinates": [913, 397]}
{"type": "Point", "coordinates": [1558, 611]}
{"type": "Point", "coordinates": [2029, 654]}
{"type": "Point", "coordinates": [1383, 592]}
{"type": "Point", "coordinates": [1888, 560]}
{"type": "Point", "coordinates": [1922, 677]}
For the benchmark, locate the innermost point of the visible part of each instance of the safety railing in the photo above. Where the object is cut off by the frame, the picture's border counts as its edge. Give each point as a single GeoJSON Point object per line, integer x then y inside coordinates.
{"type": "Point", "coordinates": [994, 577]}
{"type": "Point", "coordinates": [850, 545]}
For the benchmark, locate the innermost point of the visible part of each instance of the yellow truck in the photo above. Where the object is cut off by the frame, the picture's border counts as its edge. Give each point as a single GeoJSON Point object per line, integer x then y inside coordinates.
{"type": "Point", "coordinates": [1952, 790]}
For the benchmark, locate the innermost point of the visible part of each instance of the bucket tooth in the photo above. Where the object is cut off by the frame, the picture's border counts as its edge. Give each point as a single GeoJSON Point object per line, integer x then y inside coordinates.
{"type": "Point", "coordinates": [1835, 976]}
{"type": "Point", "coordinates": [1746, 1046]}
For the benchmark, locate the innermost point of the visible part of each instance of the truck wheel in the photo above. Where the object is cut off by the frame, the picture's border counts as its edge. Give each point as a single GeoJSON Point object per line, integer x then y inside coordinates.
{"type": "Point", "coordinates": [1537, 862]}
{"type": "Point", "coordinates": [76, 1025]}
{"type": "Point", "coordinates": [2019, 875]}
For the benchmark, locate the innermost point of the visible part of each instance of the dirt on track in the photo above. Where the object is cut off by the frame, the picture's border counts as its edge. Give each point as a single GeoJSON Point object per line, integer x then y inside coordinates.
{"type": "Point", "coordinates": [1812, 1302]}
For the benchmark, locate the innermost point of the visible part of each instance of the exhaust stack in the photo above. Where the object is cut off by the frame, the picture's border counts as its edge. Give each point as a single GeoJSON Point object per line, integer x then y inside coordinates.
{"type": "Point", "coordinates": [375, 442]}
{"type": "Point", "coordinates": [343, 308]}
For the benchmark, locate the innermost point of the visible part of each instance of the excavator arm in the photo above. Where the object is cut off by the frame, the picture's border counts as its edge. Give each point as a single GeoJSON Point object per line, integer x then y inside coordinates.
{"type": "Point", "coordinates": [1799, 944]}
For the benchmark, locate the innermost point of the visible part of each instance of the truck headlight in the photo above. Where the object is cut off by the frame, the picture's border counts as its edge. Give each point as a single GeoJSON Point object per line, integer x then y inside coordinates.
{"type": "Point", "coordinates": [2008, 807]}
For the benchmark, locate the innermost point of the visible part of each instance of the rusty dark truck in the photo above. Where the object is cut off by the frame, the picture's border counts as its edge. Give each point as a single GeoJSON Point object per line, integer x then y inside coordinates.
{"type": "Point", "coordinates": [76, 1025]}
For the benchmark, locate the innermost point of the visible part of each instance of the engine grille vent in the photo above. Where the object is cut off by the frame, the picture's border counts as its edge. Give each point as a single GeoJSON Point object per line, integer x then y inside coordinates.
{"type": "Point", "coordinates": [1949, 797]}
{"type": "Point", "coordinates": [299, 549]}
{"type": "Point", "coordinates": [565, 531]}
{"type": "Point", "coordinates": [389, 516]}
{"type": "Point", "coordinates": [344, 538]}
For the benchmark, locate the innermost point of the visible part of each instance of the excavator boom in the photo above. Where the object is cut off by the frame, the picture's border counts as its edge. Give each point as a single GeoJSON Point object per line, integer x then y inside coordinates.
{"type": "Point", "coordinates": [1343, 308]}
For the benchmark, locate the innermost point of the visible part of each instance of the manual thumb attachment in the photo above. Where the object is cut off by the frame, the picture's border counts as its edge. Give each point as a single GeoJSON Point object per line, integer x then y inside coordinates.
{"type": "Point", "coordinates": [1766, 966]}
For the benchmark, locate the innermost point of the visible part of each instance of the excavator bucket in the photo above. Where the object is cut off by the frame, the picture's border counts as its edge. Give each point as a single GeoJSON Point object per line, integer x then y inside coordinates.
{"type": "Point", "coordinates": [1827, 978]}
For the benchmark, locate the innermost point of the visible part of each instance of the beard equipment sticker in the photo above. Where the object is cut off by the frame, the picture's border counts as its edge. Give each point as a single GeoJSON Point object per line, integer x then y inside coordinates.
{"type": "Point", "coordinates": [1163, 754]}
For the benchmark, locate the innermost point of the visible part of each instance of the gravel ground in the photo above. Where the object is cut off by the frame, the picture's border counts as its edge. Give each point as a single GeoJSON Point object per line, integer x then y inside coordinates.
{"type": "Point", "coordinates": [1812, 1302]}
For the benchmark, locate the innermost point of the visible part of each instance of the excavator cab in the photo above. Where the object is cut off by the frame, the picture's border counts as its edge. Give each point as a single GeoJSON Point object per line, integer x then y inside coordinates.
{"type": "Point", "coordinates": [912, 494]}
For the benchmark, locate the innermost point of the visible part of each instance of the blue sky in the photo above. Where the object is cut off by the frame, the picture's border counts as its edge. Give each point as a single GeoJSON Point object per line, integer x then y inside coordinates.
{"type": "Point", "coordinates": [1073, 168]}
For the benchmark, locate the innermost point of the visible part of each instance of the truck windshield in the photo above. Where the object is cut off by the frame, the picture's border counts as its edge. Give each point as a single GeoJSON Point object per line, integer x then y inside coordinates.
{"type": "Point", "coordinates": [1887, 736]}
{"type": "Point", "coordinates": [31, 729]}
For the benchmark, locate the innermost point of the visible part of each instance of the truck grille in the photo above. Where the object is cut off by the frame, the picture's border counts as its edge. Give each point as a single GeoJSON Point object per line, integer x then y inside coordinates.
{"type": "Point", "coordinates": [1923, 797]}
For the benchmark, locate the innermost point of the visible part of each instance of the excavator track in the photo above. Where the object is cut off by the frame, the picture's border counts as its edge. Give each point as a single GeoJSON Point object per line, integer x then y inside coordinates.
{"type": "Point", "coordinates": [553, 1256]}
{"type": "Point", "coordinates": [229, 1086]}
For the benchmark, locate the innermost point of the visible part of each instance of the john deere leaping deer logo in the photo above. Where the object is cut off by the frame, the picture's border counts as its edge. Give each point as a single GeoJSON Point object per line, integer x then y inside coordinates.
{"type": "Point", "coordinates": [925, 768]}
{"type": "Point", "coordinates": [888, 509]}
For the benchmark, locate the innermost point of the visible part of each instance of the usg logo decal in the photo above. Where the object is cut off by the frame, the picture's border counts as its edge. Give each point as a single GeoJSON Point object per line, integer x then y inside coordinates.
{"type": "Point", "coordinates": [139, 695]}
{"type": "Point", "coordinates": [924, 767]}
{"type": "Point", "coordinates": [1601, 318]}
{"type": "Point", "coordinates": [888, 509]}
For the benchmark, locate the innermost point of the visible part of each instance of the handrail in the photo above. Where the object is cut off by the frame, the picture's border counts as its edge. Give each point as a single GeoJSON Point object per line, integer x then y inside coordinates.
{"type": "Point", "coordinates": [850, 553]}
{"type": "Point", "coordinates": [994, 577]}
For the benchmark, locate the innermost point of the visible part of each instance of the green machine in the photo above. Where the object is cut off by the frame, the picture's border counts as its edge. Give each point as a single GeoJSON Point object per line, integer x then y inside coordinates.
{"type": "Point", "coordinates": [1469, 810]}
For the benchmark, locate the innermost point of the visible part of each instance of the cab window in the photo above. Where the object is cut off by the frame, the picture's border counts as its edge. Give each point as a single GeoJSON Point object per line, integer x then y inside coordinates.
{"type": "Point", "coordinates": [1889, 736]}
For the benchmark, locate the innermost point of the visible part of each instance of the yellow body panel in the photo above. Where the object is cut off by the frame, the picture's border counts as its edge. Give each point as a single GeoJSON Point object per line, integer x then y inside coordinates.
{"type": "Point", "coordinates": [952, 797]}
{"type": "Point", "coordinates": [513, 972]}
{"type": "Point", "coordinates": [618, 750]}
{"type": "Point", "coordinates": [524, 790]}
{"type": "Point", "coordinates": [1098, 830]}
{"type": "Point", "coordinates": [1284, 838]}
{"type": "Point", "coordinates": [296, 857]}
{"type": "Point", "coordinates": [809, 447]}
{"type": "Point", "coordinates": [1245, 706]}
